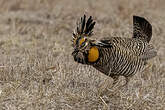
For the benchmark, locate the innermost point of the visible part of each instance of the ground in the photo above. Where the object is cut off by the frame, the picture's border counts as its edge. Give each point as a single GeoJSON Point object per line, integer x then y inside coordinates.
{"type": "Point", "coordinates": [37, 70]}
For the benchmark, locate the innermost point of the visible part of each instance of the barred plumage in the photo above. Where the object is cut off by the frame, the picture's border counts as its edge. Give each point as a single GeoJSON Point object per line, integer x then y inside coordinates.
{"type": "Point", "coordinates": [114, 56]}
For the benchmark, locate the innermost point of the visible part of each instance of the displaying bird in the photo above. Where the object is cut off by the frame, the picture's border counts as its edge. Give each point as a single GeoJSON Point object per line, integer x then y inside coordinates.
{"type": "Point", "coordinates": [114, 56]}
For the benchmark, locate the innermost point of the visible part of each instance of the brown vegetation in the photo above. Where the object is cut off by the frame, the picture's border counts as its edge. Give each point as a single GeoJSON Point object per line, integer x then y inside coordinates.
{"type": "Point", "coordinates": [37, 70]}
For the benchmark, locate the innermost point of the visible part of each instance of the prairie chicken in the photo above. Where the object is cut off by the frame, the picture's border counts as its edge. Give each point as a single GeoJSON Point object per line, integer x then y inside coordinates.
{"type": "Point", "coordinates": [114, 56]}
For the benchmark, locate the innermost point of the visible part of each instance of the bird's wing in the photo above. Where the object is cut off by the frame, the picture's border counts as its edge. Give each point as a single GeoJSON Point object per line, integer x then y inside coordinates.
{"type": "Point", "coordinates": [149, 52]}
{"type": "Point", "coordinates": [137, 47]}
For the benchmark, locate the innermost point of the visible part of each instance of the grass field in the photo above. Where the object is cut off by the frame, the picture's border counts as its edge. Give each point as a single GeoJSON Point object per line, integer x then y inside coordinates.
{"type": "Point", "coordinates": [37, 71]}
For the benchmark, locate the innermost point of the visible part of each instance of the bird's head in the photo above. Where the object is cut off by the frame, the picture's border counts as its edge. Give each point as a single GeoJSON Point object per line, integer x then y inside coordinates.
{"type": "Point", "coordinates": [84, 50]}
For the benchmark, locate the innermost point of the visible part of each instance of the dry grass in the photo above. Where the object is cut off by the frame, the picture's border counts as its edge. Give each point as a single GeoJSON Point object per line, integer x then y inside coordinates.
{"type": "Point", "coordinates": [35, 35]}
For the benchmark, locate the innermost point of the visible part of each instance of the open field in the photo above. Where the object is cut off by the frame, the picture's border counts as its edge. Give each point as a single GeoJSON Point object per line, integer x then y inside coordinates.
{"type": "Point", "coordinates": [37, 71]}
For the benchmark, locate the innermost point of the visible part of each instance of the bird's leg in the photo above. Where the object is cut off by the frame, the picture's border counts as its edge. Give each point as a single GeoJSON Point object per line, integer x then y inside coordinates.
{"type": "Point", "coordinates": [125, 86]}
{"type": "Point", "coordinates": [127, 79]}
{"type": "Point", "coordinates": [148, 65]}
{"type": "Point", "coordinates": [114, 84]}
{"type": "Point", "coordinates": [103, 86]}
{"type": "Point", "coordinates": [115, 80]}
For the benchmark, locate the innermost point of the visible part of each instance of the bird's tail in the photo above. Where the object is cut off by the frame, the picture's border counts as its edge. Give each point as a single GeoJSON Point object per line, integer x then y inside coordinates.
{"type": "Point", "coordinates": [142, 29]}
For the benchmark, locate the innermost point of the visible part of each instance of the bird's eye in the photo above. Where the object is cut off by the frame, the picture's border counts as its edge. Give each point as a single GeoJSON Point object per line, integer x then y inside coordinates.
{"type": "Point", "coordinates": [81, 41]}
{"type": "Point", "coordinates": [83, 44]}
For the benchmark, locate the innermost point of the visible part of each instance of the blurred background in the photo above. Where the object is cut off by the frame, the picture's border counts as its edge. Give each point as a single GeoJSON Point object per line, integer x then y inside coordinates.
{"type": "Point", "coordinates": [37, 70]}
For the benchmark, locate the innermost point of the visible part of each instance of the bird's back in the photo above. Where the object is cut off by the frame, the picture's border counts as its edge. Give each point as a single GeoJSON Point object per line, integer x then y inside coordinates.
{"type": "Point", "coordinates": [136, 46]}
